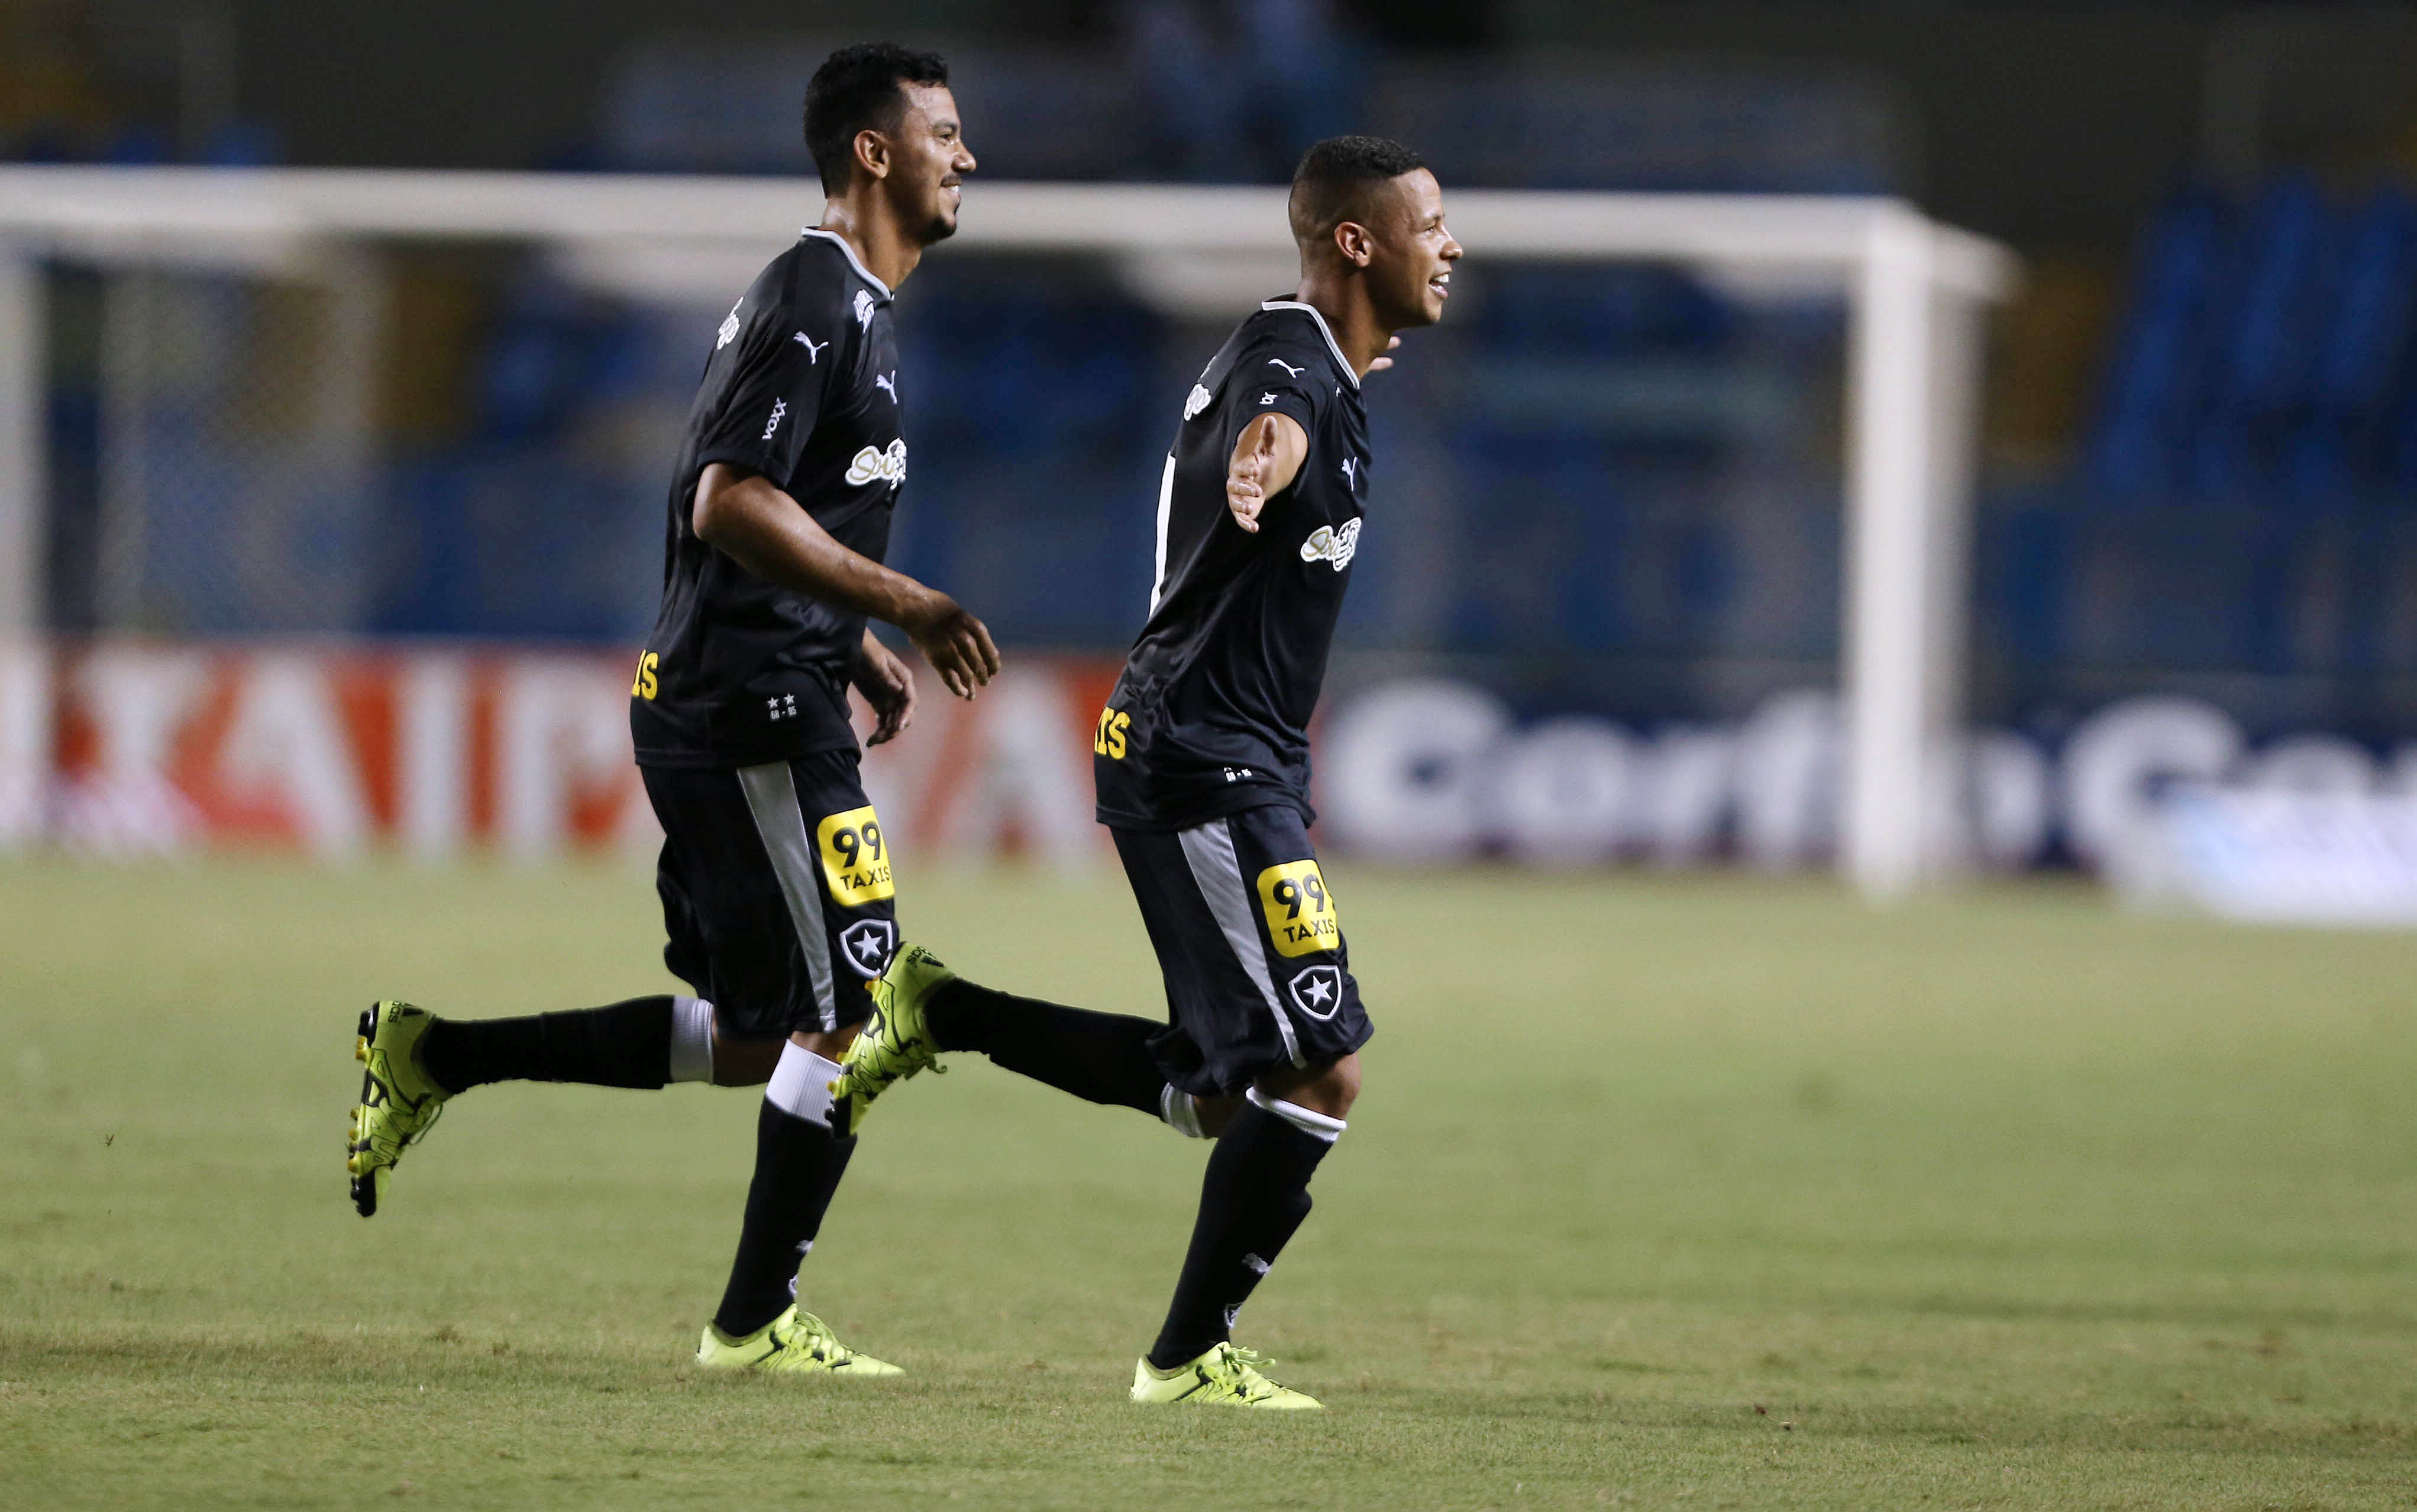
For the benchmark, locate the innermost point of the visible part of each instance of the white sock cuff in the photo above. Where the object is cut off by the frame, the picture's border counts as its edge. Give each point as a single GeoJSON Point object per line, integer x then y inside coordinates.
{"type": "Point", "coordinates": [800, 1084]}
{"type": "Point", "coordinates": [1316, 1125]}
{"type": "Point", "coordinates": [1181, 1113]}
{"type": "Point", "coordinates": [692, 1040]}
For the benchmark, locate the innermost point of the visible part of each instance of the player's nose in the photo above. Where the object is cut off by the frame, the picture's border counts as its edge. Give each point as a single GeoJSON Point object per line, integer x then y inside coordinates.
{"type": "Point", "coordinates": [965, 163]}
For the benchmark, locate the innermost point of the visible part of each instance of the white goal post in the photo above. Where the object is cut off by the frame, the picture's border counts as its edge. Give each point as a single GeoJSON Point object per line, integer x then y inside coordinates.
{"type": "Point", "coordinates": [1915, 292]}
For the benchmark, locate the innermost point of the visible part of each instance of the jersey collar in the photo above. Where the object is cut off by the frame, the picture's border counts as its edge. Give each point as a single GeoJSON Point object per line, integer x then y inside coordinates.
{"type": "Point", "coordinates": [849, 252]}
{"type": "Point", "coordinates": [1331, 344]}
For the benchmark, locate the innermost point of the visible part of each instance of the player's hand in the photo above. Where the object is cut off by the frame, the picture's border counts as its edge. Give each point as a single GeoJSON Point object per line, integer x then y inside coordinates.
{"type": "Point", "coordinates": [887, 684]}
{"type": "Point", "coordinates": [956, 644]}
{"type": "Point", "coordinates": [1383, 363]}
{"type": "Point", "coordinates": [1246, 478]}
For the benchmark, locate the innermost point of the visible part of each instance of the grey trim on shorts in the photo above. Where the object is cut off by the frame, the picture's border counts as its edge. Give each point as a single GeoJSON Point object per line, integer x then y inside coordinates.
{"type": "Point", "coordinates": [1209, 848]}
{"type": "Point", "coordinates": [772, 792]}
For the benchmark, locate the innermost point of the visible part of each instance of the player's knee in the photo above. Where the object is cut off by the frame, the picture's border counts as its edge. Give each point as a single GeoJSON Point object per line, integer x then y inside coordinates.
{"type": "Point", "coordinates": [745, 1063]}
{"type": "Point", "coordinates": [705, 1049]}
{"type": "Point", "coordinates": [1208, 1115]}
{"type": "Point", "coordinates": [1338, 1086]}
{"type": "Point", "coordinates": [752, 1062]}
{"type": "Point", "coordinates": [830, 1044]}
{"type": "Point", "coordinates": [1329, 1089]}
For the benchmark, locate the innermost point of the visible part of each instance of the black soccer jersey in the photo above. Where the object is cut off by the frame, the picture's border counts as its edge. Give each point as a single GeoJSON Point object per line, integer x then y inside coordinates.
{"type": "Point", "coordinates": [802, 388]}
{"type": "Point", "coordinates": [1212, 713]}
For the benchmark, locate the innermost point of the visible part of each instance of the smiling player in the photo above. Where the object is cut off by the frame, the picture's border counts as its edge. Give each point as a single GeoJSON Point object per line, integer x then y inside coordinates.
{"type": "Point", "coordinates": [1202, 764]}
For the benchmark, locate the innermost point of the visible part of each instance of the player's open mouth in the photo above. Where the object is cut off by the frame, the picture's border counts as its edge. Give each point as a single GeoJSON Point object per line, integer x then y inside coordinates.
{"type": "Point", "coordinates": [1441, 284]}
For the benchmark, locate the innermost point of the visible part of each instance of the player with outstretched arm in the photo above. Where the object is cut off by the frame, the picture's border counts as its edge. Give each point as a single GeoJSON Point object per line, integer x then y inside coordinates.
{"type": "Point", "coordinates": [1202, 764]}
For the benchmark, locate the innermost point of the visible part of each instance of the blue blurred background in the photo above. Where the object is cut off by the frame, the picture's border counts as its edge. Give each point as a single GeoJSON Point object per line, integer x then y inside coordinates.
{"type": "Point", "coordinates": [1608, 486]}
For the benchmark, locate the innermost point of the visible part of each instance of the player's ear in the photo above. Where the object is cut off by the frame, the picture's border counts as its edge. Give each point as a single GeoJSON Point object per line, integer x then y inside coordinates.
{"type": "Point", "coordinates": [873, 152]}
{"type": "Point", "coordinates": [1357, 244]}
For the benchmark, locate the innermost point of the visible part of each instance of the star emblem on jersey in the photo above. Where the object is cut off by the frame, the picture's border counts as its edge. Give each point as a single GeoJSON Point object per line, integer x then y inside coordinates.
{"type": "Point", "coordinates": [863, 309]}
{"type": "Point", "coordinates": [781, 706]}
{"type": "Point", "coordinates": [868, 464]}
{"type": "Point", "coordinates": [868, 944]}
{"type": "Point", "coordinates": [1328, 545]}
{"type": "Point", "coordinates": [729, 331]}
{"type": "Point", "coordinates": [814, 352]}
{"type": "Point", "coordinates": [1317, 991]}
{"type": "Point", "coordinates": [1198, 400]}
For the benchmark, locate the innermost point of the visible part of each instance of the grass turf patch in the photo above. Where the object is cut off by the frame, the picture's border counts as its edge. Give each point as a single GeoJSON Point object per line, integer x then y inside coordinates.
{"type": "Point", "coordinates": [1701, 1192]}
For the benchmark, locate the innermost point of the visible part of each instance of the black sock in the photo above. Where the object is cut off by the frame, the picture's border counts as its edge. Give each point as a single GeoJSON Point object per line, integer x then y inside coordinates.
{"type": "Point", "coordinates": [1264, 1247]}
{"type": "Point", "coordinates": [625, 1045]}
{"type": "Point", "coordinates": [1255, 1194]}
{"type": "Point", "coordinates": [1100, 1058]}
{"type": "Point", "coordinates": [798, 1168]}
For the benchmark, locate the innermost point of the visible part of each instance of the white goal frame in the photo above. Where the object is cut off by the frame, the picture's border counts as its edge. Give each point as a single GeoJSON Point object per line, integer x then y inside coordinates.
{"type": "Point", "coordinates": [1915, 292]}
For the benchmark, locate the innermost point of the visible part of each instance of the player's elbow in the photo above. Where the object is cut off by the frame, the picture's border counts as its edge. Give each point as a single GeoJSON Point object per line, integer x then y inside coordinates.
{"type": "Point", "coordinates": [713, 511]}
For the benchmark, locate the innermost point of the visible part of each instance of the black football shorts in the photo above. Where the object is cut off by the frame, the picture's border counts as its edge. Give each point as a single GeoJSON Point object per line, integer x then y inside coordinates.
{"type": "Point", "coordinates": [1257, 976]}
{"type": "Point", "coordinates": [777, 896]}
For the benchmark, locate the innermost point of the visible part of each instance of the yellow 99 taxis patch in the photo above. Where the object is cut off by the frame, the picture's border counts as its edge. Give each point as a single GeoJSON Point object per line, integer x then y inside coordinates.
{"type": "Point", "coordinates": [1301, 912]}
{"type": "Point", "coordinates": [856, 859]}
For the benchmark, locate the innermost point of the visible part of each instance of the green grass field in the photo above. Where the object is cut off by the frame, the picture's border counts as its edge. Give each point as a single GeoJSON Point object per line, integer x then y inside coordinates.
{"type": "Point", "coordinates": [1663, 1193]}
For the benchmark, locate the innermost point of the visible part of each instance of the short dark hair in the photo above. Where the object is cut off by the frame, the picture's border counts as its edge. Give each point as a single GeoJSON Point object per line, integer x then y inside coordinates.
{"type": "Point", "coordinates": [859, 88]}
{"type": "Point", "coordinates": [1334, 182]}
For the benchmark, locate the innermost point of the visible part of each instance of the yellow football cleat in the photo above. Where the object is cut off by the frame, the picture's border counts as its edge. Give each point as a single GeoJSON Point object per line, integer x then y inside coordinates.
{"type": "Point", "coordinates": [795, 1343]}
{"type": "Point", "coordinates": [896, 1043]}
{"type": "Point", "coordinates": [1223, 1377]}
{"type": "Point", "coordinates": [399, 1104]}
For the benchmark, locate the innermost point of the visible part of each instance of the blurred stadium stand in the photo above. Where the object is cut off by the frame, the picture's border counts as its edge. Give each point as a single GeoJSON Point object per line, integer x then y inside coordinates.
{"type": "Point", "coordinates": [1177, 109]}
{"type": "Point", "coordinates": [1629, 471]}
{"type": "Point", "coordinates": [1606, 488]}
{"type": "Point", "coordinates": [1624, 476]}
{"type": "Point", "coordinates": [1606, 463]}
{"type": "Point", "coordinates": [2241, 519]}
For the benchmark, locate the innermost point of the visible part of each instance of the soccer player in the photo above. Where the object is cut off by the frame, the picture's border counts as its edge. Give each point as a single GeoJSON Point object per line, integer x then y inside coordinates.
{"type": "Point", "coordinates": [1202, 763]}
{"type": "Point", "coordinates": [775, 876]}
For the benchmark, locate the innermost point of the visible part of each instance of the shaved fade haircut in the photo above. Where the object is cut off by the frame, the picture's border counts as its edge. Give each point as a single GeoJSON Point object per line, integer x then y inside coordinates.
{"type": "Point", "coordinates": [861, 89]}
{"type": "Point", "coordinates": [1338, 180]}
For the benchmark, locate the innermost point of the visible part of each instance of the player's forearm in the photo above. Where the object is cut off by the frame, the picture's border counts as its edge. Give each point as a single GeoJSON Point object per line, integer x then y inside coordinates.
{"type": "Point", "coordinates": [766, 531]}
{"type": "Point", "coordinates": [1266, 458]}
{"type": "Point", "coordinates": [1279, 443]}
